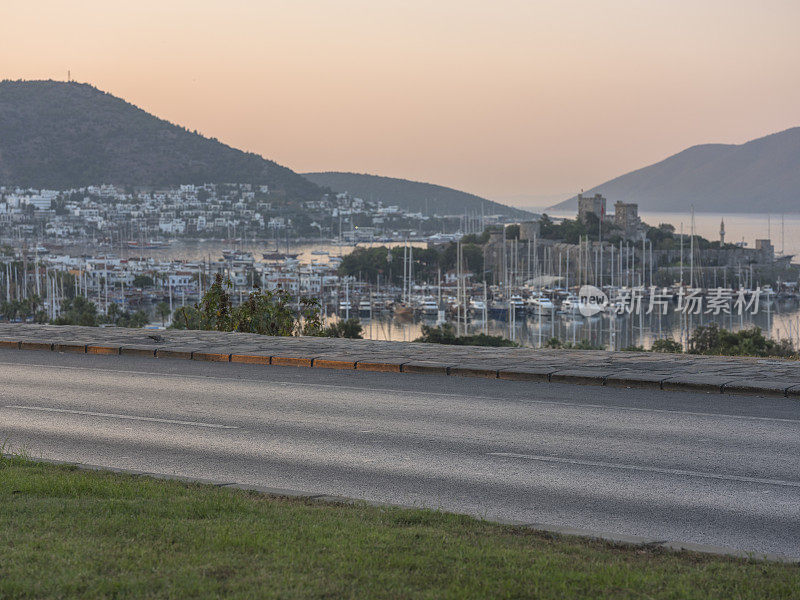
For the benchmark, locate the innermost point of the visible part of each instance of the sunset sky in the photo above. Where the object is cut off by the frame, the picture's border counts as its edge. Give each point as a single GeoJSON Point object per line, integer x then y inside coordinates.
{"type": "Point", "coordinates": [519, 101]}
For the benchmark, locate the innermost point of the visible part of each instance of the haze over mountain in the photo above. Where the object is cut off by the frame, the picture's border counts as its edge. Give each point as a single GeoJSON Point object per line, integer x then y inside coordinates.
{"type": "Point", "coordinates": [413, 196]}
{"type": "Point", "coordinates": [760, 176]}
{"type": "Point", "coordinates": [62, 135]}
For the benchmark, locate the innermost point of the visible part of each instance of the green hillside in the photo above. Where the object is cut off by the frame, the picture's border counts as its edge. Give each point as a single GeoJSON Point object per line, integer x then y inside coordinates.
{"type": "Point", "coordinates": [63, 135]}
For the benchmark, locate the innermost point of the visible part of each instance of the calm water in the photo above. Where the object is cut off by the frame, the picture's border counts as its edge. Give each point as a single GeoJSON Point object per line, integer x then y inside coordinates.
{"type": "Point", "coordinates": [782, 321]}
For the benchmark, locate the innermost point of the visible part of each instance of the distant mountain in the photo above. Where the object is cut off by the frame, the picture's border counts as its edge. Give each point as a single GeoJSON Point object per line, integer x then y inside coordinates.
{"type": "Point", "coordinates": [63, 135]}
{"type": "Point", "coordinates": [761, 176]}
{"type": "Point", "coordinates": [413, 196]}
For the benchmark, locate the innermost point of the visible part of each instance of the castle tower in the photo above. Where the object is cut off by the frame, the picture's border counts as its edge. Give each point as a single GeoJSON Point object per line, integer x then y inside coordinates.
{"type": "Point", "coordinates": [722, 233]}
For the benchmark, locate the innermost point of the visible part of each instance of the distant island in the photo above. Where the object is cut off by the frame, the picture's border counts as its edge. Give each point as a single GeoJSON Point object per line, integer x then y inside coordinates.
{"type": "Point", "coordinates": [412, 196]}
{"type": "Point", "coordinates": [760, 176]}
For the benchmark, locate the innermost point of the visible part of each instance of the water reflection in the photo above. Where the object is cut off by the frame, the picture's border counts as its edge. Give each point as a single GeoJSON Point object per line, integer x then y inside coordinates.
{"type": "Point", "coordinates": [781, 321]}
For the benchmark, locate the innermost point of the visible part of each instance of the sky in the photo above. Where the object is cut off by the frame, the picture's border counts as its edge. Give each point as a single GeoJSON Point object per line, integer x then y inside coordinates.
{"type": "Point", "coordinates": [526, 102]}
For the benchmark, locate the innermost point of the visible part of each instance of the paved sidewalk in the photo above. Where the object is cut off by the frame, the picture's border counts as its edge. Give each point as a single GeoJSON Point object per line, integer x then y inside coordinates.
{"type": "Point", "coordinates": [752, 376]}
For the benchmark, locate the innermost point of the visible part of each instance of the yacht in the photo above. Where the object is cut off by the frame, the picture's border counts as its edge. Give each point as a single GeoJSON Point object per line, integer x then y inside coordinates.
{"type": "Point", "coordinates": [570, 304]}
{"type": "Point", "coordinates": [477, 307]}
{"type": "Point", "coordinates": [517, 303]}
{"type": "Point", "coordinates": [540, 303]}
{"type": "Point", "coordinates": [365, 308]}
{"type": "Point", "coordinates": [429, 306]}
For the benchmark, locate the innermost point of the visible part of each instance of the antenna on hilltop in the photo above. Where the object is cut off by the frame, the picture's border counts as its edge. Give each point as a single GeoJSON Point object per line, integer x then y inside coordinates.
{"type": "Point", "coordinates": [69, 76]}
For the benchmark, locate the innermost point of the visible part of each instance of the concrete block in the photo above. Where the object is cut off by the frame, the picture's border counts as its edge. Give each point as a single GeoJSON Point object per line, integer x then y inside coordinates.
{"type": "Point", "coordinates": [331, 362]}
{"type": "Point", "coordinates": [381, 366]}
{"type": "Point", "coordinates": [211, 356]}
{"type": "Point", "coordinates": [474, 371]}
{"type": "Point", "coordinates": [430, 368]}
{"type": "Point", "coordinates": [580, 376]}
{"type": "Point", "coordinates": [92, 349]}
{"type": "Point", "coordinates": [757, 387]}
{"type": "Point", "coordinates": [137, 351]}
{"type": "Point", "coordinates": [526, 373]}
{"type": "Point", "coordinates": [251, 359]}
{"type": "Point", "coordinates": [696, 383]}
{"type": "Point", "coordinates": [635, 380]}
{"type": "Point", "coordinates": [78, 347]}
{"type": "Point", "coordinates": [292, 361]}
{"type": "Point", "coordinates": [174, 353]}
{"type": "Point", "coordinates": [35, 346]}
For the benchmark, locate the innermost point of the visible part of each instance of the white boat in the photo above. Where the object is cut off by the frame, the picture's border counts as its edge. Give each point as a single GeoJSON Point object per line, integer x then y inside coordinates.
{"type": "Point", "coordinates": [570, 304]}
{"type": "Point", "coordinates": [429, 306]}
{"type": "Point", "coordinates": [517, 303]}
{"type": "Point", "coordinates": [540, 303]}
{"type": "Point", "coordinates": [477, 307]}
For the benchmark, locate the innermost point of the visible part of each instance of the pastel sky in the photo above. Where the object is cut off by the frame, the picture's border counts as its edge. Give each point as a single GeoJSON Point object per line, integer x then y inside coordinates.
{"type": "Point", "coordinates": [522, 101]}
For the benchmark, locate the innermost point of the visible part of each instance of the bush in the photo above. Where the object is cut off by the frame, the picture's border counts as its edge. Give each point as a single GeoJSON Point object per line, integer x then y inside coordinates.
{"type": "Point", "coordinates": [445, 334]}
{"type": "Point", "coordinates": [351, 328]}
{"type": "Point", "coordinates": [77, 311]}
{"type": "Point", "coordinates": [670, 346]}
{"type": "Point", "coordinates": [712, 339]}
{"type": "Point", "coordinates": [141, 281]}
{"type": "Point", "coordinates": [557, 344]}
{"type": "Point", "coordinates": [264, 312]}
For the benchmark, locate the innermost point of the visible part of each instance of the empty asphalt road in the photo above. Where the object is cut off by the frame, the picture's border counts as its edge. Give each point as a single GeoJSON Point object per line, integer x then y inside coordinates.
{"type": "Point", "coordinates": [708, 469]}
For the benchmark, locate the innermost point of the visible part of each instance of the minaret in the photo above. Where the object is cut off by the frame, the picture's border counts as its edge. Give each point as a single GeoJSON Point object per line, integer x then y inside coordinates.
{"type": "Point", "coordinates": [722, 233]}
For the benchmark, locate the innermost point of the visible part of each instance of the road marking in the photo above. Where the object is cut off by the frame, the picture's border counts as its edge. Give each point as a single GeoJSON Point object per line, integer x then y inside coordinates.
{"type": "Point", "coordinates": [406, 392]}
{"type": "Point", "coordinates": [116, 416]}
{"type": "Point", "coordinates": [608, 465]}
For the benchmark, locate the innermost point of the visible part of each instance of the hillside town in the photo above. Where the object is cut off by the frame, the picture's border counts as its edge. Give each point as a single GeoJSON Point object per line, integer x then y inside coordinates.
{"type": "Point", "coordinates": [108, 214]}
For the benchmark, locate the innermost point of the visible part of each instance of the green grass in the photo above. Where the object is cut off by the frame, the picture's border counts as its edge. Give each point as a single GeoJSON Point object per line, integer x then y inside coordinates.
{"type": "Point", "coordinates": [71, 533]}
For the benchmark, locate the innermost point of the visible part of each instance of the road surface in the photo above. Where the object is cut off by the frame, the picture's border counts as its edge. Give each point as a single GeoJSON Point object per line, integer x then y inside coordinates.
{"type": "Point", "coordinates": [707, 469]}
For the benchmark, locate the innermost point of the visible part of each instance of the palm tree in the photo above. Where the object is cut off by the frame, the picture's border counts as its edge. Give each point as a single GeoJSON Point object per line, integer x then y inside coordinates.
{"type": "Point", "coordinates": [162, 310]}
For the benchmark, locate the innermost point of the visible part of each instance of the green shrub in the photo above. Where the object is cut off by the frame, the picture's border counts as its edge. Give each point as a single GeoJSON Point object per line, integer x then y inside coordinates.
{"type": "Point", "coordinates": [712, 339]}
{"type": "Point", "coordinates": [351, 328]}
{"type": "Point", "coordinates": [670, 346]}
{"type": "Point", "coordinates": [264, 312]}
{"type": "Point", "coordinates": [445, 334]}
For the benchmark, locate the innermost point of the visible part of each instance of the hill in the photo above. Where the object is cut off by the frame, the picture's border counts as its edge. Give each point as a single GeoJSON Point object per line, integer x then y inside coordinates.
{"type": "Point", "coordinates": [760, 176]}
{"type": "Point", "coordinates": [413, 196]}
{"type": "Point", "coordinates": [64, 135]}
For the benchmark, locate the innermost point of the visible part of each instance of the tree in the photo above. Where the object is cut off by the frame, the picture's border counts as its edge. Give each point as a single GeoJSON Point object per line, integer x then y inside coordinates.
{"type": "Point", "coordinates": [713, 339]}
{"type": "Point", "coordinates": [77, 311]}
{"type": "Point", "coordinates": [163, 311]}
{"type": "Point", "coordinates": [263, 312]}
{"type": "Point", "coordinates": [142, 281]}
{"type": "Point", "coordinates": [351, 328]}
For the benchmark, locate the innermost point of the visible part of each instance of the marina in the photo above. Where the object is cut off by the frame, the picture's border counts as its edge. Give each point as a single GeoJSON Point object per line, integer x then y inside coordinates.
{"type": "Point", "coordinates": [534, 305]}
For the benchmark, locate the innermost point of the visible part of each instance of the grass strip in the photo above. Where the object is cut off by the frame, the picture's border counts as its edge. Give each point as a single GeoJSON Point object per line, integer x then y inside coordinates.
{"type": "Point", "coordinates": [67, 533]}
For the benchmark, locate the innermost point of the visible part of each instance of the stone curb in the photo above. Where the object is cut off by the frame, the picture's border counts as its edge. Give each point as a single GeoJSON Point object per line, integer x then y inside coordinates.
{"type": "Point", "coordinates": [709, 384]}
{"type": "Point", "coordinates": [613, 538]}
